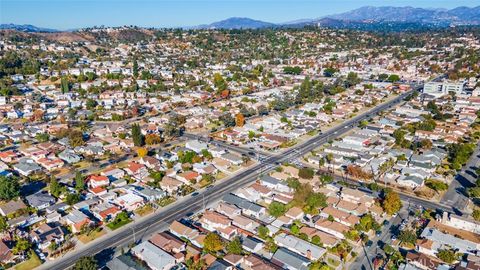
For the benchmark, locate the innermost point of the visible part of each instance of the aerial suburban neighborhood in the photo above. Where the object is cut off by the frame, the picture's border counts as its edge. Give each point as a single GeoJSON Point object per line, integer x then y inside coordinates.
{"type": "Point", "coordinates": [302, 146]}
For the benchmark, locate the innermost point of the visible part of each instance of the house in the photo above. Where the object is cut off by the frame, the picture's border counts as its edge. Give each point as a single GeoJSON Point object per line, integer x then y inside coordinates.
{"type": "Point", "coordinates": [129, 201]}
{"type": "Point", "coordinates": [251, 244]}
{"type": "Point", "coordinates": [69, 156]}
{"type": "Point", "coordinates": [196, 146]}
{"type": "Point", "coordinates": [113, 174]}
{"type": "Point", "coordinates": [137, 170]}
{"type": "Point", "coordinates": [290, 260]}
{"type": "Point", "coordinates": [170, 185]}
{"type": "Point", "coordinates": [11, 207]}
{"type": "Point", "coordinates": [168, 243]}
{"type": "Point", "coordinates": [274, 183]}
{"type": "Point", "coordinates": [26, 167]}
{"type": "Point", "coordinates": [180, 230]}
{"type": "Point", "coordinates": [95, 181]}
{"type": "Point", "coordinates": [40, 200]}
{"type": "Point", "coordinates": [212, 221]}
{"type": "Point", "coordinates": [300, 246]}
{"type": "Point", "coordinates": [77, 220]}
{"type": "Point", "coordinates": [189, 177]}
{"type": "Point", "coordinates": [148, 193]}
{"type": "Point", "coordinates": [232, 158]}
{"type": "Point", "coordinates": [105, 211]}
{"type": "Point", "coordinates": [150, 162]}
{"type": "Point", "coordinates": [45, 235]}
{"type": "Point", "coordinates": [6, 254]}
{"type": "Point", "coordinates": [153, 256]}
{"type": "Point", "coordinates": [248, 208]}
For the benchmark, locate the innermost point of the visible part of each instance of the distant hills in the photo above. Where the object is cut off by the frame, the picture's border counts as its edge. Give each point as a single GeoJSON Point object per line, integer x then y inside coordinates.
{"type": "Point", "coordinates": [369, 18]}
{"type": "Point", "coordinates": [237, 23]}
{"type": "Point", "coordinates": [26, 28]}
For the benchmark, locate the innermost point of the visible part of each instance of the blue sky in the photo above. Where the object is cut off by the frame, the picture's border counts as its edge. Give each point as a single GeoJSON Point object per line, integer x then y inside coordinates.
{"type": "Point", "coordinates": [68, 14]}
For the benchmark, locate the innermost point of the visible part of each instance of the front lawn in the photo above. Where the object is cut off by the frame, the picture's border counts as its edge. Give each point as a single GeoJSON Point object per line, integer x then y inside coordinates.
{"type": "Point", "coordinates": [31, 263]}
{"type": "Point", "coordinates": [121, 220]}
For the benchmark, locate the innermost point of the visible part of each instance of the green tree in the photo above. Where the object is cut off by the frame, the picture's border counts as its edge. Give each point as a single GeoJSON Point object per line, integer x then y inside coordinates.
{"type": "Point", "coordinates": [21, 246]}
{"type": "Point", "coordinates": [64, 85]}
{"type": "Point", "coordinates": [276, 209]}
{"type": "Point", "coordinates": [135, 68]}
{"type": "Point", "coordinates": [213, 242]}
{"type": "Point", "coordinates": [306, 173]}
{"type": "Point", "coordinates": [9, 188]}
{"type": "Point", "coordinates": [72, 198]}
{"type": "Point", "coordinates": [90, 104]}
{"type": "Point", "coordinates": [86, 263]}
{"type": "Point", "coordinates": [407, 236]}
{"type": "Point", "coordinates": [235, 246]}
{"type": "Point", "coordinates": [55, 188]}
{"type": "Point", "coordinates": [3, 224]}
{"type": "Point", "coordinates": [475, 215]}
{"type": "Point", "coordinates": [393, 78]}
{"type": "Point", "coordinates": [447, 255]}
{"type": "Point", "coordinates": [137, 135]}
{"type": "Point", "coordinates": [263, 231]}
{"type": "Point", "coordinates": [79, 181]}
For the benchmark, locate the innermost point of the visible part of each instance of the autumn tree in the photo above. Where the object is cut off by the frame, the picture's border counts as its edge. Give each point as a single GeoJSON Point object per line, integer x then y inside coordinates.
{"type": "Point", "coordinates": [142, 152]}
{"type": "Point", "coordinates": [152, 139]}
{"type": "Point", "coordinates": [391, 203]}
{"type": "Point", "coordinates": [213, 242]}
{"type": "Point", "coordinates": [357, 172]}
{"type": "Point", "coordinates": [239, 120]}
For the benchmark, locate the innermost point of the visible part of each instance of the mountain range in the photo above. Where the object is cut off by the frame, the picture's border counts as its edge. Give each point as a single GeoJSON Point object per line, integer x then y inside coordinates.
{"type": "Point", "coordinates": [365, 18]}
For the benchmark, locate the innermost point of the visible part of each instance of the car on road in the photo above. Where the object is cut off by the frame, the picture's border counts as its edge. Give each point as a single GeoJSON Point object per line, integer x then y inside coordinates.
{"type": "Point", "coordinates": [386, 223]}
{"type": "Point", "coordinates": [209, 186]}
{"type": "Point", "coordinates": [394, 237]}
{"type": "Point", "coordinates": [195, 194]}
{"type": "Point", "coordinates": [369, 243]}
{"type": "Point", "coordinates": [378, 233]}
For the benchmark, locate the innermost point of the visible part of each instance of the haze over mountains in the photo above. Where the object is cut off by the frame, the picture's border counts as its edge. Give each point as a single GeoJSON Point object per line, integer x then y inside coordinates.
{"type": "Point", "coordinates": [364, 18]}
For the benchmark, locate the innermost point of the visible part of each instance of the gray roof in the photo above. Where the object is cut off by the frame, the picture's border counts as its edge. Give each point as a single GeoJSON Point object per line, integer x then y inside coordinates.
{"type": "Point", "coordinates": [153, 255]}
{"type": "Point", "coordinates": [219, 265]}
{"type": "Point", "coordinates": [250, 243]}
{"type": "Point", "coordinates": [125, 262]}
{"type": "Point", "coordinates": [299, 246]}
{"type": "Point", "coordinates": [290, 260]}
{"type": "Point", "coordinates": [39, 199]}
{"type": "Point", "coordinates": [241, 203]}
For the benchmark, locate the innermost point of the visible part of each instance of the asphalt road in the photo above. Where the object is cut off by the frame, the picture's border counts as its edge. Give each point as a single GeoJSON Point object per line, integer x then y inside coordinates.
{"type": "Point", "coordinates": [456, 193]}
{"type": "Point", "coordinates": [159, 219]}
{"type": "Point", "coordinates": [364, 261]}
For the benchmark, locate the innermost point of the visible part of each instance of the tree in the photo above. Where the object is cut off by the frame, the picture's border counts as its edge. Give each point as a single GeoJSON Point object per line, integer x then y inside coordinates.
{"type": "Point", "coordinates": [42, 137]}
{"type": "Point", "coordinates": [407, 236]}
{"type": "Point", "coordinates": [90, 104]}
{"type": "Point", "coordinates": [55, 188]}
{"type": "Point", "coordinates": [391, 203]}
{"type": "Point", "coordinates": [235, 246]}
{"type": "Point", "coordinates": [3, 224]}
{"type": "Point", "coordinates": [306, 173]}
{"type": "Point", "coordinates": [86, 263]}
{"type": "Point", "coordinates": [135, 68]}
{"type": "Point", "coordinates": [239, 120]}
{"type": "Point", "coordinates": [475, 215]}
{"type": "Point", "coordinates": [227, 120]}
{"type": "Point", "coordinates": [79, 181]}
{"type": "Point", "coordinates": [219, 82]}
{"type": "Point", "coordinates": [75, 138]}
{"type": "Point", "coordinates": [152, 139]}
{"type": "Point", "coordinates": [276, 209]}
{"type": "Point", "coordinates": [393, 78]}
{"type": "Point", "coordinates": [142, 152]}
{"type": "Point", "coordinates": [436, 185]}
{"type": "Point", "coordinates": [21, 246]}
{"type": "Point", "coordinates": [213, 242]}
{"type": "Point", "coordinates": [9, 188]}
{"type": "Point", "coordinates": [64, 85]}
{"type": "Point", "coordinates": [367, 223]}
{"type": "Point", "coordinates": [447, 255]}
{"type": "Point", "coordinates": [137, 135]}
{"type": "Point", "coordinates": [72, 198]}
{"type": "Point", "coordinates": [263, 231]}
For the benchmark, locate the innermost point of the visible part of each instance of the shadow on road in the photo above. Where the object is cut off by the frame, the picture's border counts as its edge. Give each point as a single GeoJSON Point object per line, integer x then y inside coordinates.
{"type": "Point", "coordinates": [105, 256]}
